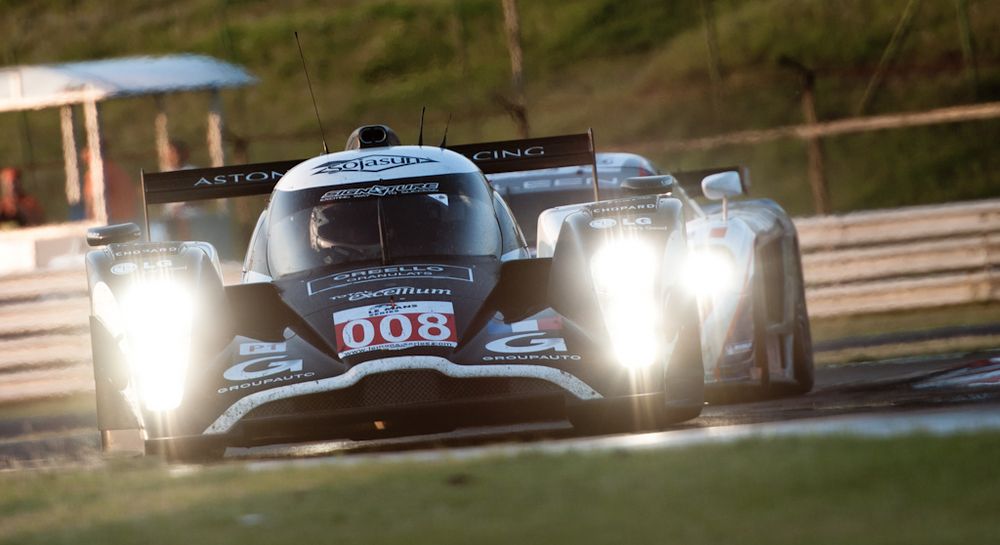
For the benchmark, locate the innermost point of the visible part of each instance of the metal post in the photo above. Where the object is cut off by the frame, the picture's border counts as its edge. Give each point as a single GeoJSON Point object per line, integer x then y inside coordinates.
{"type": "Point", "coordinates": [593, 164]}
{"type": "Point", "coordinates": [72, 168]}
{"type": "Point", "coordinates": [92, 120]}
{"type": "Point", "coordinates": [968, 46]}
{"type": "Point", "coordinates": [162, 133]}
{"type": "Point", "coordinates": [714, 65]}
{"type": "Point", "coordinates": [215, 150]}
{"type": "Point", "coordinates": [512, 25]}
{"type": "Point", "coordinates": [814, 144]}
{"type": "Point", "coordinates": [814, 149]}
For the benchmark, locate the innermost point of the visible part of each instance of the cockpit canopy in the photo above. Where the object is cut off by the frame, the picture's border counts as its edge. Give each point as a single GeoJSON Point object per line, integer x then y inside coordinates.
{"type": "Point", "coordinates": [382, 221]}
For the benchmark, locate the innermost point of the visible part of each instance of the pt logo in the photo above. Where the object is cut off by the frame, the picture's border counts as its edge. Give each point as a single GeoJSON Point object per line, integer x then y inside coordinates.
{"type": "Point", "coordinates": [525, 343]}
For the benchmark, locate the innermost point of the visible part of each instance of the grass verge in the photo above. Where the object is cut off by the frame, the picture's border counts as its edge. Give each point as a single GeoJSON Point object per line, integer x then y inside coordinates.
{"type": "Point", "coordinates": [82, 404]}
{"type": "Point", "coordinates": [915, 489]}
{"type": "Point", "coordinates": [904, 321]}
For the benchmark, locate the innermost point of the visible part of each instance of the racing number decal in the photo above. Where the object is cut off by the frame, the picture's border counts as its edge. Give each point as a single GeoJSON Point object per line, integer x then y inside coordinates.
{"type": "Point", "coordinates": [395, 327]}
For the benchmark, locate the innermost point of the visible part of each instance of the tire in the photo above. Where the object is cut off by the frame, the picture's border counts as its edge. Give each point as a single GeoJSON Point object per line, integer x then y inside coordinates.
{"type": "Point", "coordinates": [760, 389]}
{"type": "Point", "coordinates": [803, 367]}
{"type": "Point", "coordinates": [684, 392]}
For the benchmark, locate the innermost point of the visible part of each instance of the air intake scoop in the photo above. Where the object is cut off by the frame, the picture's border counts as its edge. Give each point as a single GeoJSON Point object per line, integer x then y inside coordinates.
{"type": "Point", "coordinates": [372, 136]}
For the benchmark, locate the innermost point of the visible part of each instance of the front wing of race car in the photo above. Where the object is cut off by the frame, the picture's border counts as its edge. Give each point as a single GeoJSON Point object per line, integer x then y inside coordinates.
{"type": "Point", "coordinates": [414, 394]}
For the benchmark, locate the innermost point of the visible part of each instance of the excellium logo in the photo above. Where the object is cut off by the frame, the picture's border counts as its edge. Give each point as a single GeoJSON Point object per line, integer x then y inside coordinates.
{"type": "Point", "coordinates": [370, 163]}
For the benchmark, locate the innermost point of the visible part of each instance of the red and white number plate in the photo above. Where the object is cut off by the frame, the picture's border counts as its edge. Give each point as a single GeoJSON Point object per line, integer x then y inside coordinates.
{"type": "Point", "coordinates": [395, 327]}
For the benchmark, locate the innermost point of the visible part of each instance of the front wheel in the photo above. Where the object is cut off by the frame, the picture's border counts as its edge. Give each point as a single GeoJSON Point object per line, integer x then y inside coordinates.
{"type": "Point", "coordinates": [803, 366]}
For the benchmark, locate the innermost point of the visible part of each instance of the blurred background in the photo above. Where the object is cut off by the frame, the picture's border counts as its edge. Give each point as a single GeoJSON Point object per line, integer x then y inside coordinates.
{"type": "Point", "coordinates": [647, 75]}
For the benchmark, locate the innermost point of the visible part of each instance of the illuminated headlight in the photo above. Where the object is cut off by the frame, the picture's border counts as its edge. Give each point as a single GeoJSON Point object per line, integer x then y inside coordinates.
{"type": "Point", "coordinates": [624, 276]}
{"type": "Point", "coordinates": [158, 318]}
{"type": "Point", "coordinates": [709, 272]}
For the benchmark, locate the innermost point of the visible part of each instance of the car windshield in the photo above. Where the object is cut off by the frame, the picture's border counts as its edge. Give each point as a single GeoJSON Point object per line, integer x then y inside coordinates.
{"type": "Point", "coordinates": [530, 193]}
{"type": "Point", "coordinates": [439, 216]}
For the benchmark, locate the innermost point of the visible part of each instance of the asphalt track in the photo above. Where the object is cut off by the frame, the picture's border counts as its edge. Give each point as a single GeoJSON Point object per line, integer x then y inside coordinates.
{"type": "Point", "coordinates": [938, 394]}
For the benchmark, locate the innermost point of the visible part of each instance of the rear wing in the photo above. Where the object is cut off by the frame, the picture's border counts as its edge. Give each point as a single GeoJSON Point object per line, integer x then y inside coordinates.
{"type": "Point", "coordinates": [533, 154]}
{"type": "Point", "coordinates": [211, 183]}
{"type": "Point", "coordinates": [690, 180]}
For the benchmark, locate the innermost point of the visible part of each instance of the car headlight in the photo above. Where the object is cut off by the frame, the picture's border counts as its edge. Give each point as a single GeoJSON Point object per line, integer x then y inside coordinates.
{"type": "Point", "coordinates": [708, 272]}
{"type": "Point", "coordinates": [158, 318]}
{"type": "Point", "coordinates": [624, 274]}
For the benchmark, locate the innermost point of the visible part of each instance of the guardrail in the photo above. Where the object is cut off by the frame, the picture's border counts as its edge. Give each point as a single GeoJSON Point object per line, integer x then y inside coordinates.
{"type": "Point", "coordinates": [908, 258]}
{"type": "Point", "coordinates": [48, 246]}
{"type": "Point", "coordinates": [865, 262]}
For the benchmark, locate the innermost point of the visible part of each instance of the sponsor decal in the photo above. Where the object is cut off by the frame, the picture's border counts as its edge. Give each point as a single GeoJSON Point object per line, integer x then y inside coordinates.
{"type": "Point", "coordinates": [642, 221]}
{"type": "Point", "coordinates": [534, 357]}
{"type": "Point", "coordinates": [738, 348]}
{"type": "Point", "coordinates": [370, 163]}
{"type": "Point", "coordinates": [124, 268]}
{"type": "Point", "coordinates": [269, 368]}
{"type": "Point", "coordinates": [253, 349]}
{"type": "Point", "coordinates": [976, 374]}
{"type": "Point", "coordinates": [638, 204]}
{"type": "Point", "coordinates": [492, 155]}
{"type": "Point", "coordinates": [526, 342]}
{"type": "Point", "coordinates": [399, 291]}
{"type": "Point", "coordinates": [395, 326]}
{"type": "Point", "coordinates": [241, 178]}
{"type": "Point", "coordinates": [145, 251]}
{"type": "Point", "coordinates": [360, 276]}
{"type": "Point", "coordinates": [603, 223]}
{"type": "Point", "coordinates": [129, 267]}
{"type": "Point", "coordinates": [530, 336]}
{"type": "Point", "coordinates": [379, 191]}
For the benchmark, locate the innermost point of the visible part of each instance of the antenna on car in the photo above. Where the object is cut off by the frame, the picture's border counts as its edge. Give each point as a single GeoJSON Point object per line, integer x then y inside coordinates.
{"type": "Point", "coordinates": [322, 134]}
{"type": "Point", "coordinates": [420, 137]}
{"type": "Point", "coordinates": [444, 139]}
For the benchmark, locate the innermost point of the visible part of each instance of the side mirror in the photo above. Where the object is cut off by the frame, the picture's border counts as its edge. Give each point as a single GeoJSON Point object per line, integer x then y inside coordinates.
{"type": "Point", "coordinates": [721, 185]}
{"type": "Point", "coordinates": [649, 185]}
{"type": "Point", "coordinates": [111, 234]}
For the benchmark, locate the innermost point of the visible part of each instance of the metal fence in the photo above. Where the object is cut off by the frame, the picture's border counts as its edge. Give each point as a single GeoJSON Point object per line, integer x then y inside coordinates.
{"type": "Point", "coordinates": [908, 258]}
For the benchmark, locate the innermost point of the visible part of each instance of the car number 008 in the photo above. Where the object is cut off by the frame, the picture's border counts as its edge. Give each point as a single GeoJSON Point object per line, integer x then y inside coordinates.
{"type": "Point", "coordinates": [396, 328]}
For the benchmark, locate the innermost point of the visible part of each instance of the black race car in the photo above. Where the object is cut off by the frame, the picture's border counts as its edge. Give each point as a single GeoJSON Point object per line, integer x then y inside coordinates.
{"type": "Point", "coordinates": [388, 290]}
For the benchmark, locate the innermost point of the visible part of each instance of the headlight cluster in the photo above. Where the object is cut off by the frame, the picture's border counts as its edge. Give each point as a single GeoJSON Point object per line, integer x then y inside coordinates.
{"type": "Point", "coordinates": [624, 276]}
{"type": "Point", "coordinates": [158, 317]}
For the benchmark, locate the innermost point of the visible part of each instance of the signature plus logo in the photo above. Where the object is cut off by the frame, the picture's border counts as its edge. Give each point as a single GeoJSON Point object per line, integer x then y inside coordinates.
{"type": "Point", "coordinates": [370, 163]}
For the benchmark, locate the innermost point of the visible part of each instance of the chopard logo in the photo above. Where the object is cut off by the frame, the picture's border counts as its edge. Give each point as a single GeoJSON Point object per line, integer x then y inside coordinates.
{"type": "Point", "coordinates": [491, 155]}
{"type": "Point", "coordinates": [370, 163]}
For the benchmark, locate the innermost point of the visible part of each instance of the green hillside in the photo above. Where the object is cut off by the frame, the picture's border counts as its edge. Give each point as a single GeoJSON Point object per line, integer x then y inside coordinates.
{"type": "Point", "coordinates": [636, 71]}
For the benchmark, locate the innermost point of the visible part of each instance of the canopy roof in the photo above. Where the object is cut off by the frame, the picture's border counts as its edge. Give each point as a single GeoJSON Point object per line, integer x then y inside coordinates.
{"type": "Point", "coordinates": [50, 85]}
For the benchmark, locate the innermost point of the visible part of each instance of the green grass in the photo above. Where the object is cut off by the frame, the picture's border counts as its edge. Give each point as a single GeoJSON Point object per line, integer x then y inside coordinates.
{"type": "Point", "coordinates": [75, 404]}
{"type": "Point", "coordinates": [912, 490]}
{"type": "Point", "coordinates": [635, 71]}
{"type": "Point", "coordinates": [899, 322]}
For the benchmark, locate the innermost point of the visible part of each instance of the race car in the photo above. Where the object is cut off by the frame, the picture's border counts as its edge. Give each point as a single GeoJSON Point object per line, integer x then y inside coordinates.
{"type": "Point", "coordinates": [744, 263]}
{"type": "Point", "coordinates": [387, 290]}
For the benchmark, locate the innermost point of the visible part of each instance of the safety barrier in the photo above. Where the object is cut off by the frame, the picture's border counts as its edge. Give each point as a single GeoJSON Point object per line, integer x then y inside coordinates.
{"type": "Point", "coordinates": [908, 258]}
